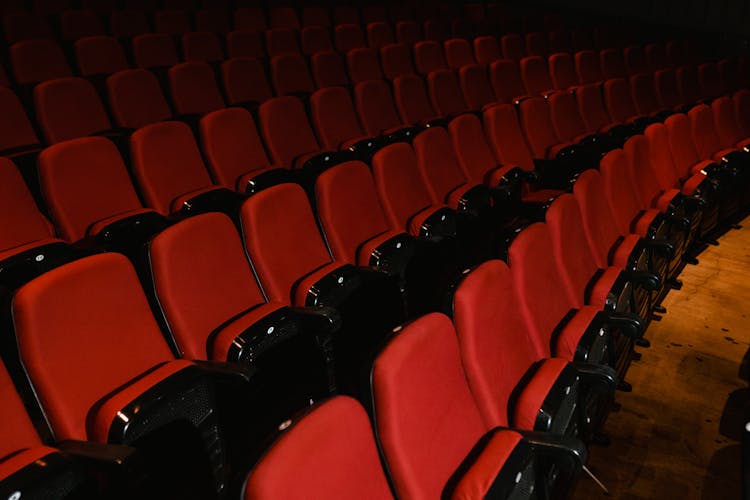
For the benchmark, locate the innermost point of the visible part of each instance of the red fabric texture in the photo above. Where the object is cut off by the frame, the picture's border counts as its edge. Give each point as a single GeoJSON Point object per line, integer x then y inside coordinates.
{"type": "Point", "coordinates": [471, 148]}
{"type": "Point", "coordinates": [478, 479]}
{"type": "Point", "coordinates": [458, 53]}
{"type": "Point", "coordinates": [428, 57]}
{"type": "Point", "coordinates": [412, 101]}
{"type": "Point", "coordinates": [486, 49]}
{"type": "Point", "coordinates": [348, 36]}
{"type": "Point", "coordinates": [15, 127]}
{"type": "Point", "coordinates": [245, 80]}
{"type": "Point", "coordinates": [93, 310]}
{"type": "Point", "coordinates": [505, 136]}
{"type": "Point", "coordinates": [363, 65]}
{"type": "Point", "coordinates": [328, 70]}
{"type": "Point", "coordinates": [619, 101]}
{"type": "Point", "coordinates": [531, 398]}
{"type": "Point", "coordinates": [537, 126]}
{"type": "Point", "coordinates": [333, 116]}
{"type": "Point", "coordinates": [476, 87]}
{"type": "Point", "coordinates": [396, 60]}
{"type": "Point", "coordinates": [505, 77]}
{"type": "Point", "coordinates": [68, 108]}
{"type": "Point", "coordinates": [562, 71]}
{"type": "Point", "coordinates": [535, 75]}
{"type": "Point", "coordinates": [290, 75]}
{"type": "Point", "coordinates": [194, 89]}
{"type": "Point", "coordinates": [136, 99]}
{"type": "Point", "coordinates": [445, 93]}
{"type": "Point", "coordinates": [438, 164]}
{"type": "Point", "coordinates": [100, 55]}
{"type": "Point", "coordinates": [587, 67]}
{"type": "Point", "coordinates": [16, 430]}
{"type": "Point", "coordinates": [287, 131]}
{"type": "Point", "coordinates": [38, 60]}
{"type": "Point", "coordinates": [22, 222]}
{"type": "Point", "coordinates": [375, 106]}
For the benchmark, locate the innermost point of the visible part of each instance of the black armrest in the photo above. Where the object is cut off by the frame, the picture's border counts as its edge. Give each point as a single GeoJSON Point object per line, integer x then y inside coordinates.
{"type": "Point", "coordinates": [126, 235]}
{"type": "Point", "coordinates": [557, 446]}
{"type": "Point", "coordinates": [440, 224]}
{"type": "Point", "coordinates": [679, 221]}
{"type": "Point", "coordinates": [393, 256]}
{"type": "Point", "coordinates": [53, 475]}
{"type": "Point", "coordinates": [334, 287]}
{"type": "Point", "coordinates": [217, 200]}
{"type": "Point", "coordinates": [270, 178]}
{"type": "Point", "coordinates": [101, 455]}
{"type": "Point", "coordinates": [554, 174]}
{"type": "Point", "coordinates": [325, 160]}
{"type": "Point", "coordinates": [644, 279]}
{"type": "Point", "coordinates": [629, 324]}
{"type": "Point", "coordinates": [599, 377]}
{"type": "Point", "coordinates": [694, 202]}
{"type": "Point", "coordinates": [475, 200]}
{"type": "Point", "coordinates": [661, 247]}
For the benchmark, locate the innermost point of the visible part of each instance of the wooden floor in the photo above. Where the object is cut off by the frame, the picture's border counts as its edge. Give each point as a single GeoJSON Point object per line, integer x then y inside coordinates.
{"type": "Point", "coordinates": [677, 434]}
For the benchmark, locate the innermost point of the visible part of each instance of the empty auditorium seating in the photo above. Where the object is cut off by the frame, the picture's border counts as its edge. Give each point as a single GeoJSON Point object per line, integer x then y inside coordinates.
{"type": "Point", "coordinates": [154, 50]}
{"type": "Point", "coordinates": [562, 71]}
{"type": "Point", "coordinates": [445, 93]}
{"type": "Point", "coordinates": [587, 67]}
{"type": "Point", "coordinates": [612, 64]}
{"type": "Point", "coordinates": [667, 91]}
{"type": "Point", "coordinates": [476, 87]}
{"type": "Point", "coordinates": [201, 46]}
{"type": "Point", "coordinates": [348, 37]}
{"type": "Point", "coordinates": [336, 123]}
{"type": "Point", "coordinates": [315, 39]}
{"type": "Point", "coordinates": [408, 32]}
{"type": "Point", "coordinates": [396, 60]}
{"type": "Point", "coordinates": [250, 19]}
{"type": "Point", "coordinates": [687, 83]}
{"type": "Point", "coordinates": [377, 110]}
{"type": "Point", "coordinates": [291, 76]}
{"type": "Point", "coordinates": [486, 49]}
{"type": "Point", "coordinates": [428, 57]}
{"type": "Point", "coordinates": [458, 53]}
{"type": "Point", "coordinates": [34, 61]}
{"type": "Point", "coordinates": [619, 101]}
{"type": "Point", "coordinates": [99, 55]}
{"type": "Point", "coordinates": [193, 88]}
{"type": "Point", "coordinates": [245, 44]}
{"type": "Point", "coordinates": [635, 60]}
{"type": "Point", "coordinates": [379, 34]}
{"type": "Point", "coordinates": [135, 99]}
{"type": "Point", "coordinates": [412, 101]}
{"type": "Point", "coordinates": [281, 41]}
{"type": "Point", "coordinates": [16, 132]}
{"type": "Point", "coordinates": [506, 80]}
{"type": "Point", "coordinates": [363, 64]}
{"type": "Point", "coordinates": [513, 47]}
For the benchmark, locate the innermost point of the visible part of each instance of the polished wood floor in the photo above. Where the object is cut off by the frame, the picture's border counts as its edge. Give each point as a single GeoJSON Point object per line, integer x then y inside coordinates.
{"type": "Point", "coordinates": [677, 434]}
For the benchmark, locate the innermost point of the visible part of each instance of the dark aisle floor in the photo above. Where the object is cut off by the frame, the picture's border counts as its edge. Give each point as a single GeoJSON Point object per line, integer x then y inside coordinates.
{"type": "Point", "coordinates": [676, 435]}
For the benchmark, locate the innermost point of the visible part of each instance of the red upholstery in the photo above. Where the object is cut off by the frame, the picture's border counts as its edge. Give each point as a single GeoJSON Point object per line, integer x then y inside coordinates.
{"type": "Point", "coordinates": [277, 222]}
{"type": "Point", "coordinates": [536, 44]}
{"type": "Point", "coordinates": [667, 90]}
{"type": "Point", "coordinates": [136, 99]}
{"type": "Point", "coordinates": [396, 60]}
{"type": "Point", "coordinates": [281, 41]}
{"type": "Point", "coordinates": [475, 85]}
{"type": "Point", "coordinates": [290, 75]}
{"type": "Point", "coordinates": [513, 47]}
{"type": "Point", "coordinates": [487, 49]}
{"type": "Point", "coordinates": [587, 67]}
{"type": "Point", "coordinates": [593, 110]}
{"type": "Point", "coordinates": [22, 222]}
{"type": "Point", "coordinates": [250, 19]}
{"type": "Point", "coordinates": [635, 59]}
{"type": "Point", "coordinates": [334, 118]}
{"type": "Point", "coordinates": [347, 37]}
{"type": "Point", "coordinates": [315, 39]}
{"type": "Point", "coordinates": [245, 44]}
{"type": "Point", "coordinates": [202, 46]}
{"type": "Point", "coordinates": [171, 22]}
{"type": "Point", "coordinates": [538, 128]}
{"type": "Point", "coordinates": [495, 347]}
{"type": "Point", "coordinates": [167, 165]}
{"type": "Point", "coordinates": [477, 481]}
{"type": "Point", "coordinates": [67, 108]}
{"type": "Point", "coordinates": [566, 117]}
{"type": "Point", "coordinates": [287, 131]}
{"type": "Point", "coordinates": [194, 89]}
{"type": "Point", "coordinates": [439, 166]}
{"type": "Point", "coordinates": [612, 63]}
{"type": "Point", "coordinates": [92, 309]}
{"type": "Point", "coordinates": [408, 32]}
{"type": "Point", "coordinates": [349, 211]}
{"type": "Point", "coordinates": [619, 100]}
{"type": "Point", "coordinates": [535, 75]}
{"type": "Point", "coordinates": [375, 107]}
{"type": "Point", "coordinates": [15, 129]}
{"type": "Point", "coordinates": [458, 53]}
{"type": "Point", "coordinates": [643, 90]}
{"type": "Point", "coordinates": [562, 71]}
{"type": "Point", "coordinates": [560, 41]}
{"type": "Point", "coordinates": [283, 17]}
{"type": "Point", "coordinates": [331, 453]}
{"type": "Point", "coordinates": [85, 181]}
{"type": "Point", "coordinates": [663, 163]}
{"type": "Point", "coordinates": [202, 279]}
{"type": "Point", "coordinates": [741, 102]}
{"type": "Point", "coordinates": [505, 136]}
{"type": "Point", "coordinates": [704, 133]}
{"type": "Point", "coordinates": [154, 50]}
{"type": "Point", "coordinates": [428, 57]}
{"type": "Point", "coordinates": [725, 122]}
{"type": "Point", "coordinates": [656, 56]}
{"type": "Point", "coordinates": [34, 61]}
{"type": "Point", "coordinates": [687, 82]}
{"type": "Point", "coordinates": [682, 146]}
{"type": "Point", "coordinates": [420, 369]}
{"type": "Point", "coordinates": [445, 93]}
{"type": "Point", "coordinates": [100, 55]}
{"type": "Point", "coordinates": [245, 81]}
{"type": "Point", "coordinates": [232, 147]}
{"type": "Point", "coordinates": [471, 148]}
{"type": "Point", "coordinates": [400, 187]}
{"type": "Point", "coordinates": [709, 81]}
{"type": "Point", "coordinates": [506, 80]}
{"type": "Point", "coordinates": [643, 175]}
{"type": "Point", "coordinates": [328, 70]}
{"type": "Point", "coordinates": [363, 65]}
{"type": "Point", "coordinates": [412, 101]}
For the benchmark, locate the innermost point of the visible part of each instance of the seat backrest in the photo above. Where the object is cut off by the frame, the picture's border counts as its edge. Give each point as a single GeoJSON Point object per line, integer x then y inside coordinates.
{"type": "Point", "coordinates": [154, 50]}
{"type": "Point", "coordinates": [245, 44]}
{"type": "Point", "coordinates": [726, 125]}
{"type": "Point", "coordinates": [202, 279]}
{"type": "Point", "coordinates": [412, 101]}
{"type": "Point", "coordinates": [635, 59]}
{"type": "Point", "coordinates": [420, 370]}
{"type": "Point", "coordinates": [535, 75]}
{"type": "Point", "coordinates": [290, 75]}
{"type": "Point", "coordinates": [194, 89]}
{"type": "Point", "coordinates": [17, 432]}
{"type": "Point", "coordinates": [283, 17]}
{"type": "Point", "coordinates": [15, 128]}
{"type": "Point", "coordinates": [333, 116]}
{"type": "Point", "coordinates": [428, 57]}
{"type": "Point", "coordinates": [537, 44]}
{"type": "Point", "coordinates": [347, 37]}
{"type": "Point", "coordinates": [136, 99]}
{"type": "Point", "coordinates": [542, 298]}
{"type": "Point", "coordinates": [379, 34]}
{"type": "Point", "coordinates": [408, 32]}
{"type": "Point", "coordinates": [67, 108]}
{"type": "Point", "coordinates": [475, 85]}
{"type": "Point", "coordinates": [487, 49]}
{"type": "Point", "coordinates": [458, 53]}
{"type": "Point", "coordinates": [676, 53]}
{"type": "Point", "coordinates": [592, 108]}
{"type": "Point", "coordinates": [445, 93]}
{"type": "Point", "coordinates": [22, 222]}
{"type": "Point", "coordinates": [612, 63]}
{"type": "Point", "coordinates": [619, 100]}
{"type": "Point", "coordinates": [506, 80]}
{"type": "Point", "coordinates": [96, 308]}
{"type": "Point", "coordinates": [167, 163]}
{"type": "Point", "coordinates": [38, 60]}
{"type": "Point", "coordinates": [250, 19]}
{"type": "Point", "coordinates": [614, 168]}
{"type": "Point", "coordinates": [687, 83]}
{"type": "Point", "coordinates": [709, 80]}
{"type": "Point", "coordinates": [99, 55]}
{"type": "Point", "coordinates": [741, 105]}
{"type": "Point", "coordinates": [245, 81]}
{"type": "Point", "coordinates": [330, 451]}
{"type": "Point", "coordinates": [472, 150]}
{"type": "Point", "coordinates": [375, 106]}
{"type": "Point", "coordinates": [601, 231]}
{"type": "Point", "coordinates": [536, 122]}
{"type": "Point", "coordinates": [75, 24]}
{"type": "Point", "coordinates": [573, 256]}
{"type": "Point", "coordinates": [495, 348]}
{"type": "Point", "coordinates": [282, 238]}
{"type": "Point", "coordinates": [667, 91]}
{"type": "Point", "coordinates": [363, 65]}
{"type": "Point", "coordinates": [328, 70]}
{"type": "Point", "coordinates": [587, 67]}
{"type": "Point", "coordinates": [643, 90]}
{"type": "Point", "coordinates": [315, 39]}
{"type": "Point", "coordinates": [656, 56]}
{"type": "Point", "coordinates": [202, 46]}
{"type": "Point", "coordinates": [437, 163]}
{"type": "Point", "coordinates": [705, 137]}
{"type": "Point", "coordinates": [281, 41]}
{"type": "Point", "coordinates": [566, 117]}
{"type": "Point", "coordinates": [681, 144]}
{"type": "Point", "coordinates": [171, 22]}
{"type": "Point", "coordinates": [513, 47]}
{"type": "Point", "coordinates": [85, 181]}
{"type": "Point", "coordinates": [286, 129]}
{"type": "Point", "coordinates": [562, 70]}
{"type": "Point", "coordinates": [396, 60]}
{"type": "Point", "coordinates": [660, 154]}
{"type": "Point", "coordinates": [232, 146]}
{"type": "Point", "coordinates": [348, 208]}
{"type": "Point", "coordinates": [506, 138]}
{"type": "Point", "coordinates": [401, 191]}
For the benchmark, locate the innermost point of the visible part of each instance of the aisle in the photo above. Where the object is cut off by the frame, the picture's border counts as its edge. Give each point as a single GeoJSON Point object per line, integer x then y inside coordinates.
{"type": "Point", "coordinates": [677, 434]}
